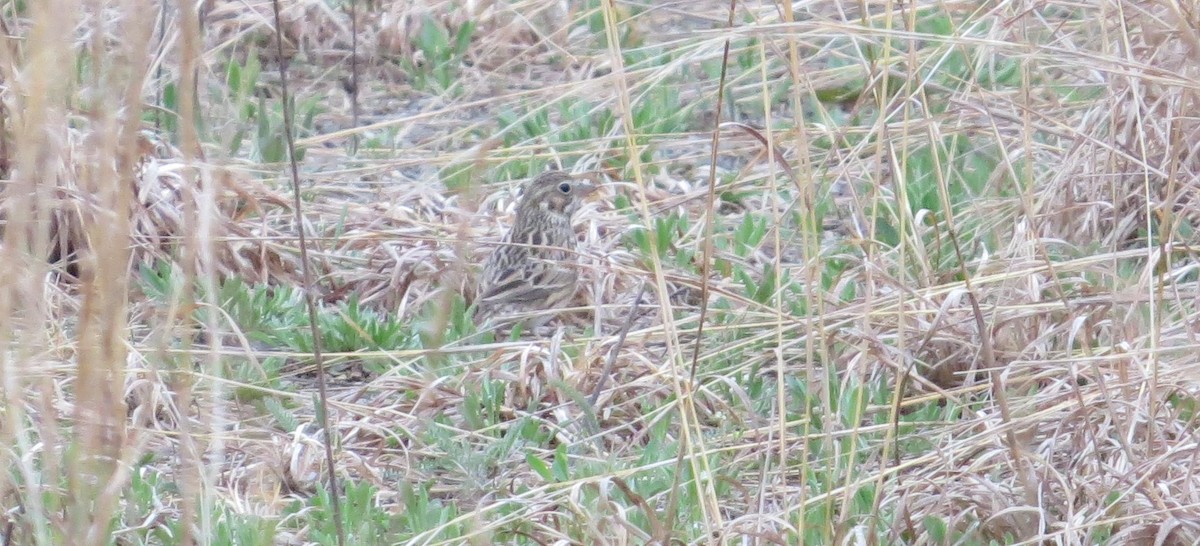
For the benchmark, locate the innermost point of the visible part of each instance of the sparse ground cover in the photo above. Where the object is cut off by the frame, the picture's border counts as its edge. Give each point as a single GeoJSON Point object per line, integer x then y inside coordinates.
{"type": "Point", "coordinates": [932, 284]}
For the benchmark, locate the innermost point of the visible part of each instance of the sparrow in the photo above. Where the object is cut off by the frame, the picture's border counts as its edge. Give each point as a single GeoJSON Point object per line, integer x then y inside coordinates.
{"type": "Point", "coordinates": [535, 266]}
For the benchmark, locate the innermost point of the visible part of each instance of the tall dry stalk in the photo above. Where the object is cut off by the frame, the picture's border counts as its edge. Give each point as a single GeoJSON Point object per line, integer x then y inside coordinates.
{"type": "Point", "coordinates": [76, 111]}
{"type": "Point", "coordinates": [106, 174]}
{"type": "Point", "coordinates": [39, 70]}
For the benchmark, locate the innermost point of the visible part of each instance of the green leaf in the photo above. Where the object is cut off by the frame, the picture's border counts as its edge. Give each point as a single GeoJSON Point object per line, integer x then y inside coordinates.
{"type": "Point", "coordinates": [539, 466]}
{"type": "Point", "coordinates": [562, 468]}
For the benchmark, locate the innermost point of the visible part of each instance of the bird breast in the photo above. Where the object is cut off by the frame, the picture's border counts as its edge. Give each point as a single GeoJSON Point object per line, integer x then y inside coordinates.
{"type": "Point", "coordinates": [545, 230]}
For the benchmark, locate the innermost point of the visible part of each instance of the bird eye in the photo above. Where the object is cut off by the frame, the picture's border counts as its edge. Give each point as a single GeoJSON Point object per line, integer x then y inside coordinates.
{"type": "Point", "coordinates": [564, 187]}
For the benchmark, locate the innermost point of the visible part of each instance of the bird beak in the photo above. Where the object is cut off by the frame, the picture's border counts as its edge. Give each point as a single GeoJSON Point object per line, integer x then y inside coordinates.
{"type": "Point", "coordinates": [588, 184]}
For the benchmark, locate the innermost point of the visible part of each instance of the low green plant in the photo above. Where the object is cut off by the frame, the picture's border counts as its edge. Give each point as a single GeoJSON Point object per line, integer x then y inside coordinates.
{"type": "Point", "coordinates": [662, 240]}
{"type": "Point", "coordinates": [443, 51]}
{"type": "Point", "coordinates": [749, 235]}
{"type": "Point", "coordinates": [363, 520]}
{"type": "Point", "coordinates": [570, 126]}
{"type": "Point", "coordinates": [574, 127]}
{"type": "Point", "coordinates": [351, 327]}
{"type": "Point", "coordinates": [250, 118]}
{"type": "Point", "coordinates": [241, 80]}
{"type": "Point", "coordinates": [277, 317]}
{"type": "Point", "coordinates": [593, 18]}
{"type": "Point", "coordinates": [422, 512]}
{"type": "Point", "coordinates": [149, 493]}
{"type": "Point", "coordinates": [270, 144]}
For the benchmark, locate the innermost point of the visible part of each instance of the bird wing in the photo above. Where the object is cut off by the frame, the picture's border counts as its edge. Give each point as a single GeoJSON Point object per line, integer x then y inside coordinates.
{"type": "Point", "coordinates": [527, 281]}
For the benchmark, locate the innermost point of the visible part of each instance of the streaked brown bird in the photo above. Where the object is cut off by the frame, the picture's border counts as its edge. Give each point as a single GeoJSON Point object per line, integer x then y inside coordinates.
{"type": "Point", "coordinates": [534, 268]}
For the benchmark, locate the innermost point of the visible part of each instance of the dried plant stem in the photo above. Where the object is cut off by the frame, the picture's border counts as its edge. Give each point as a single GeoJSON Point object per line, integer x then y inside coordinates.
{"type": "Point", "coordinates": [191, 465]}
{"type": "Point", "coordinates": [102, 346]}
{"type": "Point", "coordinates": [706, 257]}
{"type": "Point", "coordinates": [41, 112]}
{"type": "Point", "coordinates": [616, 349]}
{"type": "Point", "coordinates": [309, 300]}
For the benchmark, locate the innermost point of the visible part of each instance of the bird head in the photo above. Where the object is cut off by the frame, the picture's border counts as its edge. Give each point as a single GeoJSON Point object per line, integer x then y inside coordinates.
{"type": "Point", "coordinates": [556, 192]}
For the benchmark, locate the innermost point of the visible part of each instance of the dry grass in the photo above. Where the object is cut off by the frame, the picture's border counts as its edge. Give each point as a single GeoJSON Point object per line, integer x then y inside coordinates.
{"type": "Point", "coordinates": [980, 215]}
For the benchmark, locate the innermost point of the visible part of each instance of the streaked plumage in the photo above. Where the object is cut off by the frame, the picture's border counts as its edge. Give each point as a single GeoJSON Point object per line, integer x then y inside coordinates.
{"type": "Point", "coordinates": [533, 267]}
